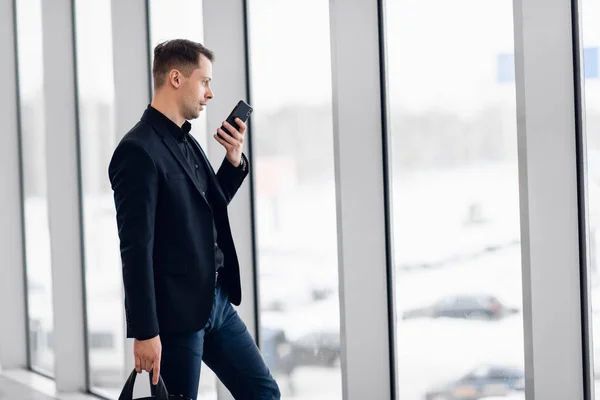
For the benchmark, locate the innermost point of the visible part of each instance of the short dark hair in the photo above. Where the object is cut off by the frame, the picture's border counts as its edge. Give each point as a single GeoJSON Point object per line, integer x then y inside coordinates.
{"type": "Point", "coordinates": [182, 54]}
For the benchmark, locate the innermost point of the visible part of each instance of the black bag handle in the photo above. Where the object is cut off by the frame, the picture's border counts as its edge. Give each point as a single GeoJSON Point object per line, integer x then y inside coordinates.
{"type": "Point", "coordinates": [127, 392]}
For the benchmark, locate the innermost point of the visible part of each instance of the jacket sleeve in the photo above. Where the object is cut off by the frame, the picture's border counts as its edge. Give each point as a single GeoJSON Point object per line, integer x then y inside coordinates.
{"type": "Point", "coordinates": [231, 178]}
{"type": "Point", "coordinates": [134, 180]}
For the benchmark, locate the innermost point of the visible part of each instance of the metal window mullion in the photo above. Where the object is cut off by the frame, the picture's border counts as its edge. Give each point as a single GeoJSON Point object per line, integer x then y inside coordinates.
{"type": "Point", "coordinates": [13, 294]}
{"type": "Point", "coordinates": [584, 237]}
{"type": "Point", "coordinates": [361, 199]}
{"type": "Point", "coordinates": [131, 46]}
{"type": "Point", "coordinates": [64, 196]}
{"type": "Point", "coordinates": [230, 76]}
{"type": "Point", "coordinates": [548, 180]}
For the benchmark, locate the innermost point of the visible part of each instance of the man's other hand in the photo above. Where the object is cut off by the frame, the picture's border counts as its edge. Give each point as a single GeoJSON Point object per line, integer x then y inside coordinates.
{"type": "Point", "coordinates": [146, 354]}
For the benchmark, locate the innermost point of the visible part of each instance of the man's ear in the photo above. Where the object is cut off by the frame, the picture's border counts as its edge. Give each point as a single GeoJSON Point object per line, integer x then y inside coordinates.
{"type": "Point", "coordinates": [175, 78]}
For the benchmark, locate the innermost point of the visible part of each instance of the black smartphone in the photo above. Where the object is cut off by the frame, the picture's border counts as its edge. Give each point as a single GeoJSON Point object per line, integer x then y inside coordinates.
{"type": "Point", "coordinates": [242, 110]}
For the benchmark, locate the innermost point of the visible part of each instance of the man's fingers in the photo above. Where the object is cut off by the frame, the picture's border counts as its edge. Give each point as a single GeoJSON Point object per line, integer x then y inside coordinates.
{"type": "Point", "coordinates": [225, 136]}
{"type": "Point", "coordinates": [156, 371]}
{"type": "Point", "coordinates": [230, 143]}
{"type": "Point", "coordinates": [138, 365]}
{"type": "Point", "coordinates": [148, 365]}
{"type": "Point", "coordinates": [241, 124]}
{"type": "Point", "coordinates": [236, 133]}
{"type": "Point", "coordinates": [219, 137]}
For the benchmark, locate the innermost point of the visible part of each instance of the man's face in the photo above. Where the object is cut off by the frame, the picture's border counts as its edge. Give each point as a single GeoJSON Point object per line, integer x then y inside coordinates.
{"type": "Point", "coordinates": [195, 90]}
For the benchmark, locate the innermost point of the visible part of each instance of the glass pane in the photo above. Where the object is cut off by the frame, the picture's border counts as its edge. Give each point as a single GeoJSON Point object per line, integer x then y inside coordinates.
{"type": "Point", "coordinates": [455, 189]}
{"type": "Point", "coordinates": [591, 43]}
{"type": "Point", "coordinates": [168, 22]}
{"type": "Point", "coordinates": [106, 338]}
{"type": "Point", "coordinates": [33, 136]}
{"type": "Point", "coordinates": [292, 136]}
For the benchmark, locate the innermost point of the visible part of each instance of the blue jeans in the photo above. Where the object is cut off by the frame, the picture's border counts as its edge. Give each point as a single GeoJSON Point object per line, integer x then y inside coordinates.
{"type": "Point", "coordinates": [225, 345]}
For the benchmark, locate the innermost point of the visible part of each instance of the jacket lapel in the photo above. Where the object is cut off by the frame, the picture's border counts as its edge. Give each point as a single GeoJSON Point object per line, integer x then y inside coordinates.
{"type": "Point", "coordinates": [171, 143]}
{"type": "Point", "coordinates": [211, 172]}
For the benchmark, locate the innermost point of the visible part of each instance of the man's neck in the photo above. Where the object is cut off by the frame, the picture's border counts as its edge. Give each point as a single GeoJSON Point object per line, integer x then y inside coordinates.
{"type": "Point", "coordinates": [169, 110]}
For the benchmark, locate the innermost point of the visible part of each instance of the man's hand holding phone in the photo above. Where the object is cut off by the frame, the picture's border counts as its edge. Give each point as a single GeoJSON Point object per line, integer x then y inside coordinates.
{"type": "Point", "coordinates": [232, 141]}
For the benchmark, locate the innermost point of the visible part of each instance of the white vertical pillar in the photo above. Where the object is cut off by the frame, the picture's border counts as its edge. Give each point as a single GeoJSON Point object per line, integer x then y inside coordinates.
{"type": "Point", "coordinates": [13, 312]}
{"type": "Point", "coordinates": [131, 59]}
{"type": "Point", "coordinates": [230, 76]}
{"type": "Point", "coordinates": [360, 190]}
{"type": "Point", "coordinates": [64, 199]}
{"type": "Point", "coordinates": [546, 119]}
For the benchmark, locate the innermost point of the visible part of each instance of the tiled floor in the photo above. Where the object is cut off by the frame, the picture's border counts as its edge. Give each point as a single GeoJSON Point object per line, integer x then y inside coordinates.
{"type": "Point", "coordinates": [12, 390]}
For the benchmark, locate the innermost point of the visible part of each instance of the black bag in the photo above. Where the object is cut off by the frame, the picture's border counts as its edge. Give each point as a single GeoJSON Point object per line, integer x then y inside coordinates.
{"type": "Point", "coordinates": [161, 390]}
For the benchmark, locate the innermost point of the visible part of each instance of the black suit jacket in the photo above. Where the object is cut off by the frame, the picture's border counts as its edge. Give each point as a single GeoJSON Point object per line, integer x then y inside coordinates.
{"type": "Point", "coordinates": [166, 232]}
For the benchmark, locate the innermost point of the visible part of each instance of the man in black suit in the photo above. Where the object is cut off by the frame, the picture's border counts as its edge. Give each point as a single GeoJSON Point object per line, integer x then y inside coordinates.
{"type": "Point", "coordinates": [180, 268]}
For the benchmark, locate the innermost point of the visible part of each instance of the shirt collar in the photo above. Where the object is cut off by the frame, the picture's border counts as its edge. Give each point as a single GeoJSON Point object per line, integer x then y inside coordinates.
{"type": "Point", "coordinates": [179, 133]}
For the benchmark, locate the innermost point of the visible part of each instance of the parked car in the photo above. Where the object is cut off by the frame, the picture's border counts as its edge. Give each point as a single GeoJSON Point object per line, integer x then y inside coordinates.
{"type": "Point", "coordinates": [484, 381]}
{"type": "Point", "coordinates": [320, 348]}
{"type": "Point", "coordinates": [463, 306]}
{"type": "Point", "coordinates": [276, 350]}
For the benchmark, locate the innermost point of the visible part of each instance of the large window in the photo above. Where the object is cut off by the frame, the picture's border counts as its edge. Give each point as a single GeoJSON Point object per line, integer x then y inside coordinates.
{"type": "Point", "coordinates": [98, 138]}
{"type": "Point", "coordinates": [168, 22]}
{"type": "Point", "coordinates": [591, 57]}
{"type": "Point", "coordinates": [33, 140]}
{"type": "Point", "coordinates": [456, 217]}
{"type": "Point", "coordinates": [290, 74]}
